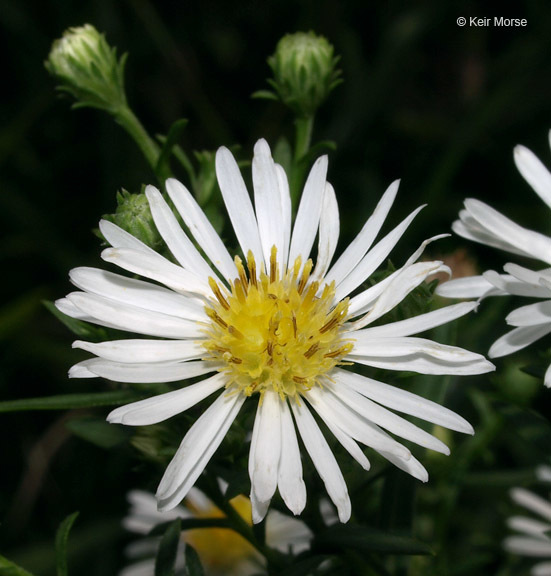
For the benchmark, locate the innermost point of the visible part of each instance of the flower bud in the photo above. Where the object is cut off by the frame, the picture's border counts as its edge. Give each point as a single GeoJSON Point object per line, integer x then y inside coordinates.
{"type": "Point", "coordinates": [304, 71]}
{"type": "Point", "coordinates": [87, 68]}
{"type": "Point", "coordinates": [134, 215]}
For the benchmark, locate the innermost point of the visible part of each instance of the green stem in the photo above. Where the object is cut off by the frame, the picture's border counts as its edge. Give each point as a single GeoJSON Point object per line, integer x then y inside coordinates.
{"type": "Point", "coordinates": [150, 149]}
{"type": "Point", "coordinates": [303, 139]}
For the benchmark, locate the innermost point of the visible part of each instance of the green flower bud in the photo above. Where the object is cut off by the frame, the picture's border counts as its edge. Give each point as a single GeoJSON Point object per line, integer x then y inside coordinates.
{"type": "Point", "coordinates": [87, 68]}
{"type": "Point", "coordinates": [134, 215]}
{"type": "Point", "coordinates": [304, 71]}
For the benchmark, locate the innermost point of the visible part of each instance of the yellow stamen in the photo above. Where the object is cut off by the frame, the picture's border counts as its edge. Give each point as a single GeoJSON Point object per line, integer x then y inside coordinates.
{"type": "Point", "coordinates": [275, 331]}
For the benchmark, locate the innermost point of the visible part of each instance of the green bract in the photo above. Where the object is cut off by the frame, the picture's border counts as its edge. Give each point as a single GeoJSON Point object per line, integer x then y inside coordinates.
{"type": "Point", "coordinates": [87, 68]}
{"type": "Point", "coordinates": [134, 216]}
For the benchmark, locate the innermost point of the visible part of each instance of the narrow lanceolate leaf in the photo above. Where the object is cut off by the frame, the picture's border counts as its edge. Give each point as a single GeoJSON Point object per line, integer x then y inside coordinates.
{"type": "Point", "coordinates": [70, 401]}
{"type": "Point", "coordinates": [193, 562]}
{"type": "Point", "coordinates": [61, 544]}
{"type": "Point", "coordinates": [168, 549]}
{"type": "Point", "coordinates": [8, 568]}
{"type": "Point", "coordinates": [362, 539]}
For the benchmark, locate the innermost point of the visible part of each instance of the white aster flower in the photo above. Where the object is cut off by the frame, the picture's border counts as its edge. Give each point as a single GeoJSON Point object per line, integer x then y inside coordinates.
{"type": "Point", "coordinates": [222, 551]}
{"type": "Point", "coordinates": [481, 223]}
{"type": "Point", "coordinates": [532, 533]}
{"type": "Point", "coordinates": [277, 328]}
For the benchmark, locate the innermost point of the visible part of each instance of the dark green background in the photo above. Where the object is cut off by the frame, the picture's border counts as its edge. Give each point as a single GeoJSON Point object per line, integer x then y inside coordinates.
{"type": "Point", "coordinates": [423, 99]}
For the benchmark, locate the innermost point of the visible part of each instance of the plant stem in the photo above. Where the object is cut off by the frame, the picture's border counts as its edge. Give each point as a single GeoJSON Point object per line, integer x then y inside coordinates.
{"type": "Point", "coordinates": [303, 139]}
{"type": "Point", "coordinates": [150, 149]}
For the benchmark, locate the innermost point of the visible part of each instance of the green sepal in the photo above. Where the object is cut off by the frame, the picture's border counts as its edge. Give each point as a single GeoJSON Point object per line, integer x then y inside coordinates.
{"type": "Point", "coordinates": [168, 548]}
{"type": "Point", "coordinates": [61, 537]}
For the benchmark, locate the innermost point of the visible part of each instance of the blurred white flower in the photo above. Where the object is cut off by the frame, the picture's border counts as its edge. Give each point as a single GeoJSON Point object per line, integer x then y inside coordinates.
{"type": "Point", "coordinates": [222, 551]}
{"type": "Point", "coordinates": [481, 223]}
{"type": "Point", "coordinates": [277, 328]}
{"type": "Point", "coordinates": [532, 532]}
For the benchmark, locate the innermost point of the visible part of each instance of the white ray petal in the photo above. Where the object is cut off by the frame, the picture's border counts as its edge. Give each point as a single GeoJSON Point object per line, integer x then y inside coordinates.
{"type": "Point", "coordinates": [547, 378]}
{"type": "Point", "coordinates": [412, 466]}
{"type": "Point", "coordinates": [65, 306]}
{"type": "Point", "coordinates": [528, 525]}
{"type": "Point", "coordinates": [160, 408]}
{"type": "Point", "coordinates": [332, 409]}
{"type": "Point", "coordinates": [542, 569]}
{"type": "Point", "coordinates": [357, 249]}
{"type": "Point", "coordinates": [363, 301]}
{"type": "Point", "coordinates": [238, 204]}
{"type": "Point", "coordinates": [470, 229]}
{"type": "Point", "coordinates": [323, 460]}
{"type": "Point", "coordinates": [259, 508]}
{"type": "Point", "coordinates": [133, 319]}
{"type": "Point", "coordinates": [267, 446]}
{"type": "Point", "coordinates": [386, 419]}
{"type": "Point", "coordinates": [527, 546]}
{"type": "Point", "coordinates": [372, 260]}
{"type": "Point", "coordinates": [531, 315]}
{"type": "Point", "coordinates": [517, 339]}
{"type": "Point", "coordinates": [202, 230]}
{"type": "Point", "coordinates": [469, 287]}
{"type": "Point", "coordinates": [349, 444]}
{"type": "Point", "coordinates": [328, 232]}
{"type": "Point", "coordinates": [422, 322]}
{"type": "Point", "coordinates": [290, 482]}
{"type": "Point", "coordinates": [197, 448]}
{"type": "Point", "coordinates": [176, 239]}
{"type": "Point", "coordinates": [119, 238]}
{"type": "Point", "coordinates": [144, 350]}
{"type": "Point", "coordinates": [534, 172]}
{"type": "Point", "coordinates": [418, 355]}
{"type": "Point", "coordinates": [145, 373]}
{"type": "Point", "coordinates": [286, 215]}
{"type": "Point", "coordinates": [403, 401]}
{"type": "Point", "coordinates": [156, 267]}
{"type": "Point", "coordinates": [137, 293]}
{"type": "Point", "coordinates": [396, 290]}
{"type": "Point", "coordinates": [524, 274]}
{"type": "Point", "coordinates": [533, 243]}
{"type": "Point", "coordinates": [511, 285]}
{"type": "Point", "coordinates": [267, 200]}
{"type": "Point", "coordinates": [532, 502]}
{"type": "Point", "coordinates": [309, 212]}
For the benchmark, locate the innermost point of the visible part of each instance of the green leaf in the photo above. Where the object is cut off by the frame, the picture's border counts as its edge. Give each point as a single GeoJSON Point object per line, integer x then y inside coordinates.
{"type": "Point", "coordinates": [264, 95]}
{"type": "Point", "coordinates": [168, 548]}
{"type": "Point", "coordinates": [77, 327]}
{"type": "Point", "coordinates": [193, 562]}
{"type": "Point", "coordinates": [8, 568]}
{"type": "Point", "coordinates": [367, 540]}
{"type": "Point", "coordinates": [70, 401]}
{"type": "Point", "coordinates": [99, 432]}
{"type": "Point", "coordinates": [61, 543]}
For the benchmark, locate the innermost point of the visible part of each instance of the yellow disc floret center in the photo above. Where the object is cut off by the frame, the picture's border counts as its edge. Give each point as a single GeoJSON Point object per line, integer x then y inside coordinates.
{"type": "Point", "coordinates": [276, 333]}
